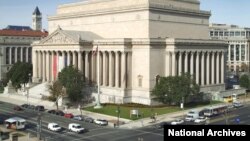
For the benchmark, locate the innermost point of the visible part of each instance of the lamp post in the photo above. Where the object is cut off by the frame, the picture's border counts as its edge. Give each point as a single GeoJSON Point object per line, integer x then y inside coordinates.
{"type": "Point", "coordinates": [118, 114]}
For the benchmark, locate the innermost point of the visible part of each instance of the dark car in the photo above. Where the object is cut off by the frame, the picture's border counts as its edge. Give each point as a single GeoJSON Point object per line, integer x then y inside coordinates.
{"type": "Point", "coordinates": [59, 113]}
{"type": "Point", "coordinates": [88, 119]}
{"type": "Point", "coordinates": [39, 108]}
{"type": "Point", "coordinates": [161, 125]}
{"type": "Point", "coordinates": [17, 108]}
{"type": "Point", "coordinates": [52, 111]}
{"type": "Point", "coordinates": [25, 105]}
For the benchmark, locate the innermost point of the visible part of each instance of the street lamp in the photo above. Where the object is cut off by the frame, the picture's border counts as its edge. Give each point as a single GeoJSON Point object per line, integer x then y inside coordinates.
{"type": "Point", "coordinates": [118, 114]}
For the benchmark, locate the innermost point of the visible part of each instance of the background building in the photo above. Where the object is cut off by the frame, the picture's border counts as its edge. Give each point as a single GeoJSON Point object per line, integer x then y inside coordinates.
{"type": "Point", "coordinates": [15, 43]}
{"type": "Point", "coordinates": [136, 41]}
{"type": "Point", "coordinates": [238, 38]}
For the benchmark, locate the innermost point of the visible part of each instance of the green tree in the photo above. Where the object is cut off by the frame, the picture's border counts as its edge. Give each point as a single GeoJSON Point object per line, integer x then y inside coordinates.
{"type": "Point", "coordinates": [244, 81]}
{"type": "Point", "coordinates": [173, 88]}
{"type": "Point", "coordinates": [19, 74]}
{"type": "Point", "coordinates": [56, 91]}
{"type": "Point", "coordinates": [72, 80]}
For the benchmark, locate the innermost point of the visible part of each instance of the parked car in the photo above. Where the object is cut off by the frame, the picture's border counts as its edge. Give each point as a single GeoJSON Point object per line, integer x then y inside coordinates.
{"type": "Point", "coordinates": [101, 122]}
{"type": "Point", "coordinates": [201, 119]}
{"type": "Point", "coordinates": [25, 105]}
{"type": "Point", "coordinates": [68, 115]}
{"type": "Point", "coordinates": [17, 108]}
{"type": "Point", "coordinates": [52, 111]}
{"type": "Point", "coordinates": [74, 127]}
{"type": "Point", "coordinates": [54, 127]}
{"type": "Point", "coordinates": [88, 119]}
{"type": "Point", "coordinates": [237, 104]}
{"type": "Point", "coordinates": [39, 108]}
{"type": "Point", "coordinates": [161, 125]}
{"type": "Point", "coordinates": [31, 107]}
{"type": "Point", "coordinates": [56, 112]}
{"type": "Point", "coordinates": [78, 117]}
{"type": "Point", "coordinates": [177, 122]}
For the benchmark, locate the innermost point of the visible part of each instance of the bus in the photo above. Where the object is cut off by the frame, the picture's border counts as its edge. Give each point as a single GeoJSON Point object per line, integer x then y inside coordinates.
{"type": "Point", "coordinates": [15, 123]}
{"type": "Point", "coordinates": [215, 110]}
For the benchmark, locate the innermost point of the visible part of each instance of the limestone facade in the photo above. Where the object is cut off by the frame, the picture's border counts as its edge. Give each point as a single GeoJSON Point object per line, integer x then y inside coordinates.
{"type": "Point", "coordinates": [135, 41]}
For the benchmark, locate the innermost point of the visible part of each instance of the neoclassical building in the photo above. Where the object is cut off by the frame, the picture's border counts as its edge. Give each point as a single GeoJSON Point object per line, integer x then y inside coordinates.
{"type": "Point", "coordinates": [238, 38]}
{"type": "Point", "coordinates": [15, 43]}
{"type": "Point", "coordinates": [135, 41]}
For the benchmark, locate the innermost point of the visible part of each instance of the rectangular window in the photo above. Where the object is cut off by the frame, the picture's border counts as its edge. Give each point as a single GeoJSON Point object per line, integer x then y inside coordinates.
{"type": "Point", "coordinates": [237, 52]}
{"type": "Point", "coordinates": [226, 33]}
{"type": "Point", "coordinates": [232, 52]}
{"type": "Point", "coordinates": [221, 33]}
{"type": "Point", "coordinates": [211, 33]}
{"type": "Point", "coordinates": [237, 33]}
{"type": "Point", "coordinates": [243, 33]}
{"type": "Point", "coordinates": [243, 52]}
{"type": "Point", "coordinates": [216, 33]}
{"type": "Point", "coordinates": [231, 33]}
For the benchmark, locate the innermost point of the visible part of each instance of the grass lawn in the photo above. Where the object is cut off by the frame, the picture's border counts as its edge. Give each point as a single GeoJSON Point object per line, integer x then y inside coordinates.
{"type": "Point", "coordinates": [125, 111]}
{"type": "Point", "coordinates": [144, 112]}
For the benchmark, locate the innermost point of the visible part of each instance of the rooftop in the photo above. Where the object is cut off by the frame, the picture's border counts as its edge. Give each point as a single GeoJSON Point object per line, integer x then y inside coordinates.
{"type": "Point", "coordinates": [29, 33]}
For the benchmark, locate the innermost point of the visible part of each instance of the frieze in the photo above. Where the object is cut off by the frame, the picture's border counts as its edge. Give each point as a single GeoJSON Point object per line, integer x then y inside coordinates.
{"type": "Point", "coordinates": [59, 39]}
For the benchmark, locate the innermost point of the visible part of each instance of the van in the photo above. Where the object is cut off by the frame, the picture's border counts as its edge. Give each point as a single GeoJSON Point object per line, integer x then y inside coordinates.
{"type": "Point", "coordinates": [15, 123]}
{"type": "Point", "coordinates": [192, 115]}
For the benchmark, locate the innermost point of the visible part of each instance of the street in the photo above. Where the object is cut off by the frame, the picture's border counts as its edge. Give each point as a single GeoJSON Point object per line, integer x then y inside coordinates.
{"type": "Point", "coordinates": [94, 132]}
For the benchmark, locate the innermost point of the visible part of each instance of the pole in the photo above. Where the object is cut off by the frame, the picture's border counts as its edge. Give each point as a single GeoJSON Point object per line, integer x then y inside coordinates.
{"type": "Point", "coordinates": [98, 105]}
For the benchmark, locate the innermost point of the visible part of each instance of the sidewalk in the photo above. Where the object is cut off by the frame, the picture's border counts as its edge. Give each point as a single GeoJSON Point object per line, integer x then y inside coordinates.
{"type": "Point", "coordinates": [18, 100]}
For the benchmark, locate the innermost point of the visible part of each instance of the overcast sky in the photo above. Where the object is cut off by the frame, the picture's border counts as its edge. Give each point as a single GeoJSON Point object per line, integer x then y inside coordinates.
{"type": "Point", "coordinates": [19, 12]}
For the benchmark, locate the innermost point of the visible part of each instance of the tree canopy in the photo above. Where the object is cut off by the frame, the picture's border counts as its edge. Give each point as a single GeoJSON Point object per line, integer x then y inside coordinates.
{"type": "Point", "coordinates": [56, 91]}
{"type": "Point", "coordinates": [19, 74]}
{"type": "Point", "coordinates": [72, 80]}
{"type": "Point", "coordinates": [244, 81]}
{"type": "Point", "coordinates": [173, 88]}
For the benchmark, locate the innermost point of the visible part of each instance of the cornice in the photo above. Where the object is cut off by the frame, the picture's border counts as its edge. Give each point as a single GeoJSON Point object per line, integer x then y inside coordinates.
{"type": "Point", "coordinates": [195, 42]}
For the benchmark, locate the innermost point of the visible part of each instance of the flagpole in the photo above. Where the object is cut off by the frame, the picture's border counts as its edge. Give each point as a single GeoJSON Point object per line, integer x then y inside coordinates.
{"type": "Point", "coordinates": [98, 104]}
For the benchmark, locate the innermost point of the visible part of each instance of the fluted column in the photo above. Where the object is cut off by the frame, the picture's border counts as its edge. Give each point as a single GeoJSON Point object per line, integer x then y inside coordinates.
{"type": "Point", "coordinates": [173, 64]}
{"type": "Point", "coordinates": [229, 55]}
{"type": "Point", "coordinates": [217, 68]}
{"type": "Point", "coordinates": [10, 55]}
{"type": "Point", "coordinates": [93, 66]}
{"type": "Point", "coordinates": [68, 58]}
{"type": "Point", "coordinates": [186, 62]}
{"type": "Point", "coordinates": [21, 54]}
{"type": "Point", "coordinates": [117, 69]}
{"type": "Point", "coordinates": [52, 66]}
{"type": "Point", "coordinates": [105, 69]}
{"type": "Point", "coordinates": [197, 78]}
{"type": "Point", "coordinates": [167, 64]}
{"type": "Point", "coordinates": [34, 62]}
{"type": "Point", "coordinates": [44, 66]}
{"type": "Point", "coordinates": [202, 68]}
{"type": "Point", "coordinates": [123, 70]}
{"type": "Point", "coordinates": [240, 52]}
{"type": "Point", "coordinates": [101, 67]}
{"type": "Point", "coordinates": [39, 64]}
{"type": "Point", "coordinates": [180, 63]}
{"type": "Point", "coordinates": [16, 48]}
{"type": "Point", "coordinates": [192, 64]}
{"type": "Point", "coordinates": [86, 65]}
{"type": "Point", "coordinates": [222, 67]}
{"type": "Point", "coordinates": [74, 59]}
{"type": "Point", "coordinates": [213, 67]}
{"type": "Point", "coordinates": [47, 67]}
{"type": "Point", "coordinates": [234, 58]}
{"type": "Point", "coordinates": [79, 61]}
{"type": "Point", "coordinates": [110, 69]}
{"type": "Point", "coordinates": [208, 68]}
{"type": "Point", "coordinates": [27, 54]}
{"type": "Point", "coordinates": [63, 56]}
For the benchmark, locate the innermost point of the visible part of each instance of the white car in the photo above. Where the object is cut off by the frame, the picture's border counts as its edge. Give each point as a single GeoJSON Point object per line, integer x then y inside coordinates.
{"type": "Point", "coordinates": [101, 121]}
{"type": "Point", "coordinates": [237, 104]}
{"type": "Point", "coordinates": [177, 121]}
{"type": "Point", "coordinates": [54, 127]}
{"type": "Point", "coordinates": [200, 119]}
{"type": "Point", "coordinates": [74, 127]}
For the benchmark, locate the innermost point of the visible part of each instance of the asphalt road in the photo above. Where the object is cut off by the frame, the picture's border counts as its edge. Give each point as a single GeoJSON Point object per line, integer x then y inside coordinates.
{"type": "Point", "coordinates": [94, 132]}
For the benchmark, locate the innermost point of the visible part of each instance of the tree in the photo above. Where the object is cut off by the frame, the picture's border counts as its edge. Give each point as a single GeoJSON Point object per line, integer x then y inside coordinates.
{"type": "Point", "coordinates": [173, 88]}
{"type": "Point", "coordinates": [56, 91]}
{"type": "Point", "coordinates": [19, 74]}
{"type": "Point", "coordinates": [244, 81]}
{"type": "Point", "coordinates": [72, 80]}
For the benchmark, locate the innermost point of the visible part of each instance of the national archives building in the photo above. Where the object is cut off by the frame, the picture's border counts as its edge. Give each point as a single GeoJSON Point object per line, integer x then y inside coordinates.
{"type": "Point", "coordinates": [135, 41]}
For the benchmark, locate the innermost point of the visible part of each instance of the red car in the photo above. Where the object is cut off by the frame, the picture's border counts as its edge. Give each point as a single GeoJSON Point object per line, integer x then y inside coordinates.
{"type": "Point", "coordinates": [68, 115]}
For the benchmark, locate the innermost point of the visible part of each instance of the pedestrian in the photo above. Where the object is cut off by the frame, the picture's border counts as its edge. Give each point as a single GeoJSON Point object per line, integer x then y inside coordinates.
{"type": "Point", "coordinates": [114, 125]}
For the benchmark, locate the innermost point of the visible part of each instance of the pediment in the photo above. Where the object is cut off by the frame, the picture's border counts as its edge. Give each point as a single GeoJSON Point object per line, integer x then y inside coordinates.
{"type": "Point", "coordinates": [59, 37]}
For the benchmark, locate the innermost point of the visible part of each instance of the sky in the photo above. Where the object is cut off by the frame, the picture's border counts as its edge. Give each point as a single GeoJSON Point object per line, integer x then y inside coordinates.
{"type": "Point", "coordinates": [19, 12]}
